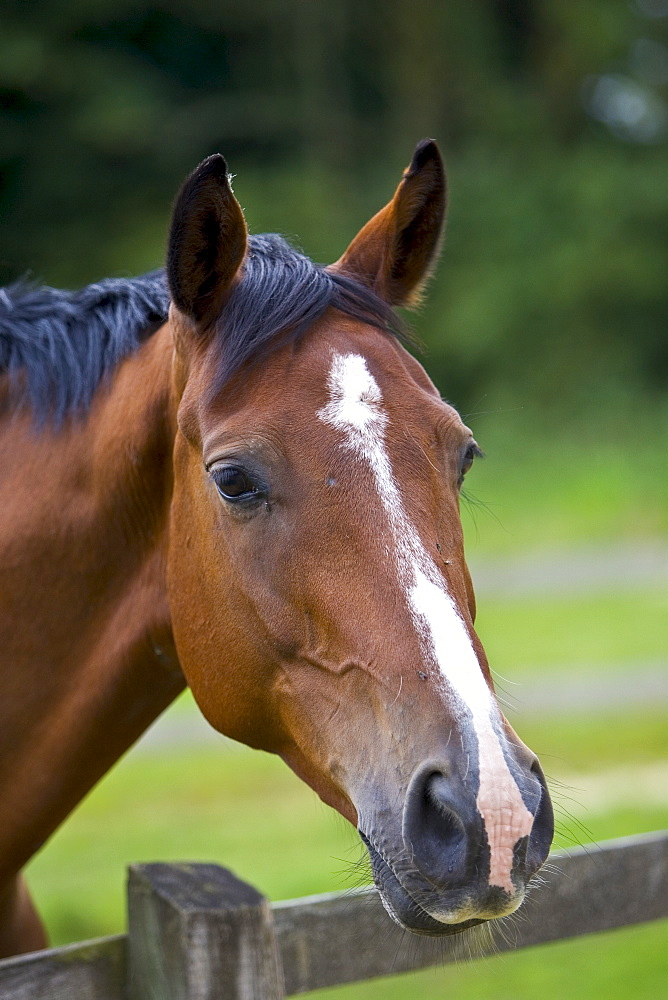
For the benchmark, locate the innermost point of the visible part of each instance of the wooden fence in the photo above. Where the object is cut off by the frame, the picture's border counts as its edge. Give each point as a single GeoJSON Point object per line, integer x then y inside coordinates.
{"type": "Point", "coordinates": [196, 932]}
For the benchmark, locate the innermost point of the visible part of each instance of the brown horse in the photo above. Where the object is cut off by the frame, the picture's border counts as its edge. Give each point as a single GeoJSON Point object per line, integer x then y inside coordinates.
{"type": "Point", "coordinates": [255, 495]}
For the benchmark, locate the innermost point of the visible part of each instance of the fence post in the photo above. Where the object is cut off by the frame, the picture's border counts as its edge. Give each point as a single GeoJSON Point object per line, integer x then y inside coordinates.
{"type": "Point", "coordinates": [197, 932]}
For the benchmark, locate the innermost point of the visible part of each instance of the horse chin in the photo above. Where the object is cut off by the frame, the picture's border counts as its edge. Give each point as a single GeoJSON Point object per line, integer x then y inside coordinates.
{"type": "Point", "coordinates": [403, 908]}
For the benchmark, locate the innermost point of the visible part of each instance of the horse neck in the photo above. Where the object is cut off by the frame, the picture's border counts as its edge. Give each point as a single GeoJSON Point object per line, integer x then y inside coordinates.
{"type": "Point", "coordinates": [122, 454]}
{"type": "Point", "coordinates": [85, 635]}
{"type": "Point", "coordinates": [125, 450]}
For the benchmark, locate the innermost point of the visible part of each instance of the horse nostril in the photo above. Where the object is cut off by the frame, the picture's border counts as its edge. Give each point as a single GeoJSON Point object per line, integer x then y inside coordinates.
{"type": "Point", "coordinates": [446, 837]}
{"type": "Point", "coordinates": [437, 829]}
{"type": "Point", "coordinates": [542, 831]}
{"type": "Point", "coordinates": [439, 793]}
{"type": "Point", "coordinates": [452, 835]}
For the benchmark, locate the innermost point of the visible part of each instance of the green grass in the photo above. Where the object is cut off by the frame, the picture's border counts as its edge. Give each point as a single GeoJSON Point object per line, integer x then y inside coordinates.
{"type": "Point", "coordinates": [247, 811]}
{"type": "Point", "coordinates": [241, 808]}
{"type": "Point", "coordinates": [235, 806]}
{"type": "Point", "coordinates": [595, 487]}
{"type": "Point", "coordinates": [528, 636]}
{"type": "Point", "coordinates": [591, 741]}
{"type": "Point", "coordinates": [623, 964]}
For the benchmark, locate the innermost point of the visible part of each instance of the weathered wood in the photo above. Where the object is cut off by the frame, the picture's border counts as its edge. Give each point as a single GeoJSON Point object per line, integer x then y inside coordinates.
{"type": "Point", "coordinates": [92, 970]}
{"type": "Point", "coordinates": [341, 938]}
{"type": "Point", "coordinates": [196, 932]}
{"type": "Point", "coordinates": [197, 928]}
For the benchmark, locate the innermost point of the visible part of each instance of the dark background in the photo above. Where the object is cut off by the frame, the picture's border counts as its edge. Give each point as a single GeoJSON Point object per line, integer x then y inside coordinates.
{"type": "Point", "coordinates": [552, 117]}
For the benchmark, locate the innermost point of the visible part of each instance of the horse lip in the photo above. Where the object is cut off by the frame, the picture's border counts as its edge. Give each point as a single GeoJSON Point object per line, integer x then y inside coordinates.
{"type": "Point", "coordinates": [402, 907]}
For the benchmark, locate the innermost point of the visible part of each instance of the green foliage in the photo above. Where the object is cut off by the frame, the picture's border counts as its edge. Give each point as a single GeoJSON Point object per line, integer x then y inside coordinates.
{"type": "Point", "coordinates": [553, 281]}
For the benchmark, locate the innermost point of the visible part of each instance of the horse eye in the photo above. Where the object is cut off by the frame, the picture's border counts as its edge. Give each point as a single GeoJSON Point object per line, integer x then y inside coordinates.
{"type": "Point", "coordinates": [235, 484]}
{"type": "Point", "coordinates": [472, 452]}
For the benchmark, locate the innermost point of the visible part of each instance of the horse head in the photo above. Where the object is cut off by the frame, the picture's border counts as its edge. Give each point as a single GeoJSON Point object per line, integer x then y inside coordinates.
{"type": "Point", "coordinates": [321, 603]}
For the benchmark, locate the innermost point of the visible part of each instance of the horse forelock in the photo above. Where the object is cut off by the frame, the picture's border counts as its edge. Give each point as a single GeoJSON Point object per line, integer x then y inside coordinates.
{"type": "Point", "coordinates": [282, 293]}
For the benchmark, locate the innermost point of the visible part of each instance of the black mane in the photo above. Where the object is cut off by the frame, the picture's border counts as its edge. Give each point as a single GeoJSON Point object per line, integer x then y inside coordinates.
{"type": "Point", "coordinates": [60, 345]}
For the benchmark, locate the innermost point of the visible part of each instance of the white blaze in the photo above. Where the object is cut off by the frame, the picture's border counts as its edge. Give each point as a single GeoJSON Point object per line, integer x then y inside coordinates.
{"type": "Point", "coordinates": [355, 408]}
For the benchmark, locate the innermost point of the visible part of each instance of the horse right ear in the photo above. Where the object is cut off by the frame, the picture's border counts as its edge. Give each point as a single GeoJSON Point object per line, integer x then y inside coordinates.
{"type": "Point", "coordinates": [207, 242]}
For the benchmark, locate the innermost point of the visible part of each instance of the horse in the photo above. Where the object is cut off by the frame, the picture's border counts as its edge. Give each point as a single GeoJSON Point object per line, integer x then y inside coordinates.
{"type": "Point", "coordinates": [233, 475]}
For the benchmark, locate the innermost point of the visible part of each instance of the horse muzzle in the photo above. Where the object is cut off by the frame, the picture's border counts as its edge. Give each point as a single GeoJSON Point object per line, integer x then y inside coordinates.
{"type": "Point", "coordinates": [436, 879]}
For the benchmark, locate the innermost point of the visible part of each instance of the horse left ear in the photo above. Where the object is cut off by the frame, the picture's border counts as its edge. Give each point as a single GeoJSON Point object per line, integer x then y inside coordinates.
{"type": "Point", "coordinates": [207, 242]}
{"type": "Point", "coordinates": [396, 251]}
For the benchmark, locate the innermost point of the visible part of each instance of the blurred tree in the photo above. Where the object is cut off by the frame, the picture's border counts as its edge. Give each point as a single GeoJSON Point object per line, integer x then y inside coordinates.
{"type": "Point", "coordinates": [552, 117]}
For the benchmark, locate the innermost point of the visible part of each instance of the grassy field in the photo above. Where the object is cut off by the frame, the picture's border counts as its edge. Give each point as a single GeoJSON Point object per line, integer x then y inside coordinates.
{"type": "Point", "coordinates": [608, 764]}
{"type": "Point", "coordinates": [622, 626]}
{"type": "Point", "coordinates": [245, 810]}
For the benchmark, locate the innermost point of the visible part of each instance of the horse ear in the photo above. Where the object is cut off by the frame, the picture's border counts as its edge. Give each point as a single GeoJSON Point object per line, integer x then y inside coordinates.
{"type": "Point", "coordinates": [396, 251]}
{"type": "Point", "coordinates": [207, 242]}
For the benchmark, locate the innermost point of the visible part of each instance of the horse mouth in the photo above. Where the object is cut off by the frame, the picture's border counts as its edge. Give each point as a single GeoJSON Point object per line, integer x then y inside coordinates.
{"type": "Point", "coordinates": [402, 906]}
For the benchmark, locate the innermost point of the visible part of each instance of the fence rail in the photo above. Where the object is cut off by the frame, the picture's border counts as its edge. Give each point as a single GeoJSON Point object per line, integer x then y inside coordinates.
{"type": "Point", "coordinates": [196, 932]}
